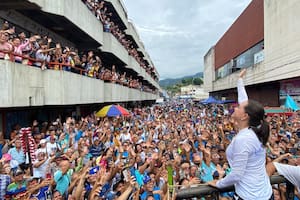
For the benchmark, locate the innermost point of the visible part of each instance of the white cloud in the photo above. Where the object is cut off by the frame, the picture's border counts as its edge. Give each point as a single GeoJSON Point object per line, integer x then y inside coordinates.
{"type": "Point", "coordinates": [177, 34]}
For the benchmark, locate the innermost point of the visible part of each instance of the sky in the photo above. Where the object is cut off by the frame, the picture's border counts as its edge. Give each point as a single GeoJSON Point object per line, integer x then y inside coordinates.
{"type": "Point", "coordinates": [178, 33]}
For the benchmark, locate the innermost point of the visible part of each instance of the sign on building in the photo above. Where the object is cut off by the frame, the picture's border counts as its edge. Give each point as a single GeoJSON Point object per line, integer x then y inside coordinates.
{"type": "Point", "coordinates": [259, 57]}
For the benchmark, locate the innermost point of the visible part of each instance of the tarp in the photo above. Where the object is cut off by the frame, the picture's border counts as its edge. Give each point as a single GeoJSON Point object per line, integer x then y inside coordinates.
{"type": "Point", "coordinates": [227, 101]}
{"type": "Point", "coordinates": [290, 103]}
{"type": "Point", "coordinates": [270, 111]}
{"type": "Point", "coordinates": [210, 100]}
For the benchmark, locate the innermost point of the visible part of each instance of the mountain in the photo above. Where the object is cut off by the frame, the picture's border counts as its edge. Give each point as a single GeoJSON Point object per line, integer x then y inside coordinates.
{"type": "Point", "coordinates": [173, 81]}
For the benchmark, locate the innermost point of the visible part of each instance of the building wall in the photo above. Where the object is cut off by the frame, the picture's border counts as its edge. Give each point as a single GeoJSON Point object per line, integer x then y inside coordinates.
{"type": "Point", "coordinates": [266, 94]}
{"type": "Point", "coordinates": [244, 33]}
{"type": "Point", "coordinates": [121, 10]}
{"type": "Point", "coordinates": [70, 10]}
{"type": "Point", "coordinates": [281, 52]}
{"type": "Point", "coordinates": [209, 70]}
{"type": "Point", "coordinates": [195, 91]}
{"type": "Point", "coordinates": [23, 86]}
{"type": "Point", "coordinates": [77, 13]}
{"type": "Point", "coordinates": [23, 21]}
{"type": "Point", "coordinates": [282, 39]}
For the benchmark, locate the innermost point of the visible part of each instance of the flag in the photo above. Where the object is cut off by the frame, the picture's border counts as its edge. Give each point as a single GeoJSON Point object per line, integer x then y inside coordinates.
{"type": "Point", "coordinates": [290, 103]}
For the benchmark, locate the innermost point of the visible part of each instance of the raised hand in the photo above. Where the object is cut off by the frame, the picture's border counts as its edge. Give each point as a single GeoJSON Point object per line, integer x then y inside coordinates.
{"type": "Point", "coordinates": [242, 73]}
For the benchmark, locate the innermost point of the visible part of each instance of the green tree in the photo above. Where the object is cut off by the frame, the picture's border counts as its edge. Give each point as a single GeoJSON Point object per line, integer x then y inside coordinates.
{"type": "Point", "coordinates": [197, 81]}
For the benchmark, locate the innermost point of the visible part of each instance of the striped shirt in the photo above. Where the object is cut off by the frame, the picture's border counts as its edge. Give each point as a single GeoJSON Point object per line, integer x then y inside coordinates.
{"type": "Point", "coordinates": [4, 182]}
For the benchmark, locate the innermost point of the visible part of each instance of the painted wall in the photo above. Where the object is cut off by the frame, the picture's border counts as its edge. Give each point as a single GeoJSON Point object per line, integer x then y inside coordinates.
{"type": "Point", "coordinates": [22, 86]}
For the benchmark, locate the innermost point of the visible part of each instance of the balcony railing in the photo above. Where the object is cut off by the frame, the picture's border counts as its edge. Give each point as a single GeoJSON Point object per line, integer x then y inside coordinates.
{"type": "Point", "coordinates": [9, 56]}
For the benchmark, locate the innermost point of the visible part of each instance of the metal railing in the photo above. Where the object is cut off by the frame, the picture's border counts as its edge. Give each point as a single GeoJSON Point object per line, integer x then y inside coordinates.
{"type": "Point", "coordinates": [202, 191]}
{"type": "Point", "coordinates": [61, 67]}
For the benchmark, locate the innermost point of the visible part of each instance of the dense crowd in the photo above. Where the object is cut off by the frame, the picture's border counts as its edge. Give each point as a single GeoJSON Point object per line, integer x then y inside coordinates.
{"type": "Point", "coordinates": [128, 157]}
{"type": "Point", "coordinates": [99, 9]}
{"type": "Point", "coordinates": [41, 51]}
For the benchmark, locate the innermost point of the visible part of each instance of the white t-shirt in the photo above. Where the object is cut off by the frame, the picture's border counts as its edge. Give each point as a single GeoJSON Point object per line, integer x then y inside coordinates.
{"type": "Point", "coordinates": [40, 150]}
{"type": "Point", "coordinates": [41, 170]}
{"type": "Point", "coordinates": [291, 173]}
{"type": "Point", "coordinates": [124, 137]}
{"type": "Point", "coordinates": [51, 148]}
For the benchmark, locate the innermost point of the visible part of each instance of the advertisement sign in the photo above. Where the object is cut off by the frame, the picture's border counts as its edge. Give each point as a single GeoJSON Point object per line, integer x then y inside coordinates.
{"type": "Point", "coordinates": [291, 88]}
{"type": "Point", "coordinates": [259, 57]}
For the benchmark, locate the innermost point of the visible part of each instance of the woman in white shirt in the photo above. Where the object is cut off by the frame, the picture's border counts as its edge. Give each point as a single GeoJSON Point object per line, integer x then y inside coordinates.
{"type": "Point", "coordinates": [246, 153]}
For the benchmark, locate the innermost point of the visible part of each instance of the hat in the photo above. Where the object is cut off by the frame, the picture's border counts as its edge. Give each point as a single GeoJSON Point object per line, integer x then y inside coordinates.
{"type": "Point", "coordinates": [43, 141]}
{"type": "Point", "coordinates": [18, 172]}
{"type": "Point", "coordinates": [32, 178]}
{"type": "Point", "coordinates": [6, 157]}
{"type": "Point", "coordinates": [94, 170]}
{"type": "Point", "coordinates": [96, 138]}
{"type": "Point", "coordinates": [146, 179]}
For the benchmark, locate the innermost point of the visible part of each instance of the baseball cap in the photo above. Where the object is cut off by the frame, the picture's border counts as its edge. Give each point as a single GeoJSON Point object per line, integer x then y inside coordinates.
{"type": "Point", "coordinates": [18, 172]}
{"type": "Point", "coordinates": [6, 157]}
{"type": "Point", "coordinates": [94, 170]}
{"type": "Point", "coordinates": [43, 141]}
{"type": "Point", "coordinates": [146, 179]}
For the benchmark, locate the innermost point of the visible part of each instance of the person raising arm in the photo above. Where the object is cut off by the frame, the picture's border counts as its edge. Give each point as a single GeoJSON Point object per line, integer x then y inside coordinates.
{"type": "Point", "coordinates": [246, 153]}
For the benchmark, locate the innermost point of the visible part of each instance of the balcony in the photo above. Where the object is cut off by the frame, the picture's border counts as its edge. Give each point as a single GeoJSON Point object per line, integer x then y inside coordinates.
{"type": "Point", "coordinates": [23, 86]}
{"type": "Point", "coordinates": [119, 8]}
{"type": "Point", "coordinates": [112, 45]}
{"type": "Point", "coordinates": [133, 33]}
{"type": "Point", "coordinates": [134, 65]}
{"type": "Point", "coordinates": [77, 13]}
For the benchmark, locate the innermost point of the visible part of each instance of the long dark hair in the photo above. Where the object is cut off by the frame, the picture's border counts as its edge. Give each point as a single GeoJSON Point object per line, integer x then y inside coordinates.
{"type": "Point", "coordinates": [257, 121]}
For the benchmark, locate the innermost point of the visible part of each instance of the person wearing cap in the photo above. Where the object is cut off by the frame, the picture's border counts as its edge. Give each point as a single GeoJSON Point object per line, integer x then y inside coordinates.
{"type": "Point", "coordinates": [38, 189]}
{"type": "Point", "coordinates": [97, 147]}
{"type": "Point", "coordinates": [117, 189]}
{"type": "Point", "coordinates": [52, 146]}
{"type": "Point", "coordinates": [40, 165]}
{"type": "Point", "coordinates": [62, 177]}
{"type": "Point", "coordinates": [18, 188]}
{"type": "Point", "coordinates": [17, 152]}
{"type": "Point", "coordinates": [7, 159]}
{"type": "Point", "coordinates": [150, 189]}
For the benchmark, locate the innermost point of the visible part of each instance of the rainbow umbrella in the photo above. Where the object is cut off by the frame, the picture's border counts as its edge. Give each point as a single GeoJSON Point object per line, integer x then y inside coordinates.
{"type": "Point", "coordinates": [112, 111]}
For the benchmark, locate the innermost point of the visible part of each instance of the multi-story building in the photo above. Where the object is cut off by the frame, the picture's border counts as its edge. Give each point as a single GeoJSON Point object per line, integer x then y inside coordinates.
{"type": "Point", "coordinates": [265, 39]}
{"type": "Point", "coordinates": [194, 91]}
{"type": "Point", "coordinates": [29, 92]}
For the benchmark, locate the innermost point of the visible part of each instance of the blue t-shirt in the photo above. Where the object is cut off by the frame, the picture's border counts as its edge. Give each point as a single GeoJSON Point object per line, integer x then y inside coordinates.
{"type": "Point", "coordinates": [145, 194]}
{"type": "Point", "coordinates": [207, 171]}
{"type": "Point", "coordinates": [62, 181]}
{"type": "Point", "coordinates": [42, 194]}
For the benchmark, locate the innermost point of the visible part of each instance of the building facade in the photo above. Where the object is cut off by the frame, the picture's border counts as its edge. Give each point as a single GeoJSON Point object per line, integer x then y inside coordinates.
{"type": "Point", "coordinates": [28, 93]}
{"type": "Point", "coordinates": [194, 91]}
{"type": "Point", "coordinates": [265, 40]}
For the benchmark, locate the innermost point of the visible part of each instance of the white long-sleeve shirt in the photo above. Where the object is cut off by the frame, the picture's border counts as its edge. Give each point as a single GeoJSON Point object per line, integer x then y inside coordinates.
{"type": "Point", "coordinates": [291, 173]}
{"type": "Point", "coordinates": [246, 156]}
{"type": "Point", "coordinates": [242, 94]}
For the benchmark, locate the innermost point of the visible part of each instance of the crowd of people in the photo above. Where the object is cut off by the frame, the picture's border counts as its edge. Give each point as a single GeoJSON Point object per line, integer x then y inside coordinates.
{"type": "Point", "coordinates": [128, 157]}
{"type": "Point", "coordinates": [99, 9]}
{"type": "Point", "coordinates": [42, 52]}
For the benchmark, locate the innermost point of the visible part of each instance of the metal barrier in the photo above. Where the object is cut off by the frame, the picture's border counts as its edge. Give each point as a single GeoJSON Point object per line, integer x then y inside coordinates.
{"type": "Point", "coordinates": [202, 191]}
{"type": "Point", "coordinates": [60, 67]}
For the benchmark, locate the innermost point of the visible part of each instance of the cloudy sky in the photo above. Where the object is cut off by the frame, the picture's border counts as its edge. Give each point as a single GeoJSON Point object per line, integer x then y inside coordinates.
{"type": "Point", "coordinates": [177, 33]}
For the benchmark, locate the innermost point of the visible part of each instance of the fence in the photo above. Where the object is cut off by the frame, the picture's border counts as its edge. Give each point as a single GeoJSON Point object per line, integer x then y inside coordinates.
{"type": "Point", "coordinates": [205, 190]}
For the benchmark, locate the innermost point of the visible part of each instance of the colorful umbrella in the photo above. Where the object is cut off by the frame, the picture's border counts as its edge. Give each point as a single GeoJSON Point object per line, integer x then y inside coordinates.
{"type": "Point", "coordinates": [112, 111]}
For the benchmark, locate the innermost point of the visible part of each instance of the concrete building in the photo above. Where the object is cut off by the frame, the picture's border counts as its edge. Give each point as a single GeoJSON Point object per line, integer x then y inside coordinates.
{"type": "Point", "coordinates": [194, 91]}
{"type": "Point", "coordinates": [265, 40]}
{"type": "Point", "coordinates": [28, 93]}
